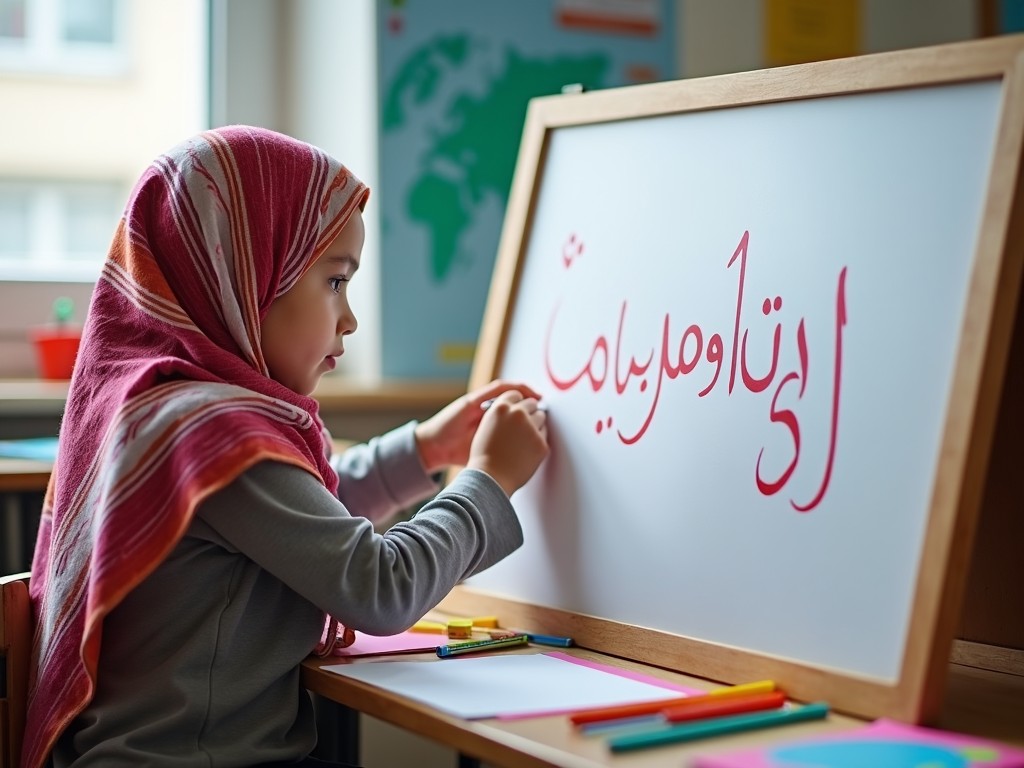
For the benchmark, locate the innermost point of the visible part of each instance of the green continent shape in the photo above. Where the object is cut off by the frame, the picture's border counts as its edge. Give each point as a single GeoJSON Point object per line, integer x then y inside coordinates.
{"type": "Point", "coordinates": [479, 154]}
{"type": "Point", "coordinates": [419, 76]}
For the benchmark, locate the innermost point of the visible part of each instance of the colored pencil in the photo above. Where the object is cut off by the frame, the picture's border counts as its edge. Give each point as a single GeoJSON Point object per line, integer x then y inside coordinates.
{"type": "Point", "coordinates": [719, 726]}
{"type": "Point", "coordinates": [654, 707]}
{"type": "Point", "coordinates": [724, 705]}
{"type": "Point", "coordinates": [475, 646]}
{"type": "Point", "coordinates": [696, 708]}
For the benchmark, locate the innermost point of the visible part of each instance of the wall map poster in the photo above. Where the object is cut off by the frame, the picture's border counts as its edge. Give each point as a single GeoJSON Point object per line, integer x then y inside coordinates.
{"type": "Point", "coordinates": [455, 77]}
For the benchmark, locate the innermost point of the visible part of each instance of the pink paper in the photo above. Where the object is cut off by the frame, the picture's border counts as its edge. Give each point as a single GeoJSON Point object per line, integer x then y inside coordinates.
{"type": "Point", "coordinates": [404, 642]}
{"type": "Point", "coordinates": [882, 743]}
{"type": "Point", "coordinates": [638, 676]}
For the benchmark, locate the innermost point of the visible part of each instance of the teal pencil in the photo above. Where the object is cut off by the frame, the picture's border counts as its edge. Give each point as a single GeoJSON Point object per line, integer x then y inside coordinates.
{"type": "Point", "coordinates": [719, 726]}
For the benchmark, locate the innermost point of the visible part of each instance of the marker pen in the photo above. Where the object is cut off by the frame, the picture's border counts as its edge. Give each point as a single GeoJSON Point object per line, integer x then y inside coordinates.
{"type": "Point", "coordinates": [475, 646]}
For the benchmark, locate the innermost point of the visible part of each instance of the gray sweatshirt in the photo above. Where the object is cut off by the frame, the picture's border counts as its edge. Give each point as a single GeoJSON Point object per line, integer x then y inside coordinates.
{"type": "Point", "coordinates": [199, 665]}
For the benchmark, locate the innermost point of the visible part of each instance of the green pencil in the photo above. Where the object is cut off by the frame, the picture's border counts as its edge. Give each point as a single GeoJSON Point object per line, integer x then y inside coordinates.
{"type": "Point", "coordinates": [719, 726]}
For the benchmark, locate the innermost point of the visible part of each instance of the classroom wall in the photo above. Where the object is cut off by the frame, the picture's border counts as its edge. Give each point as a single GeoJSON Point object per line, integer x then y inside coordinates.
{"type": "Point", "coordinates": [721, 36]}
{"type": "Point", "coordinates": [282, 62]}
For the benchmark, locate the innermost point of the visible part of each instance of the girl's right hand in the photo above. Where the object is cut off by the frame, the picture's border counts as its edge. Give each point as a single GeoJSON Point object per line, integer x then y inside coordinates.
{"type": "Point", "coordinates": [511, 441]}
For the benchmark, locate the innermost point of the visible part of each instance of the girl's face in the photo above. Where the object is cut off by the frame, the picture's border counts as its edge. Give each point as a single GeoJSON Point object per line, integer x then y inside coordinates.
{"type": "Point", "coordinates": [303, 329]}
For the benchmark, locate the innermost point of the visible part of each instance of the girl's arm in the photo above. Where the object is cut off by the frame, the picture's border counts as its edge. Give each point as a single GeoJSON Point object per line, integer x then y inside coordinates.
{"type": "Point", "coordinates": [383, 476]}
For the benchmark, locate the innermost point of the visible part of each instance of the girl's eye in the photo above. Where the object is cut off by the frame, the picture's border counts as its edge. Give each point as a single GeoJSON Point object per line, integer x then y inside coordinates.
{"type": "Point", "coordinates": [336, 283]}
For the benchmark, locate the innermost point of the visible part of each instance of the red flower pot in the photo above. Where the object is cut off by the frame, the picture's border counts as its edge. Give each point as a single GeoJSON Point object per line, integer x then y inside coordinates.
{"type": "Point", "coordinates": [56, 349]}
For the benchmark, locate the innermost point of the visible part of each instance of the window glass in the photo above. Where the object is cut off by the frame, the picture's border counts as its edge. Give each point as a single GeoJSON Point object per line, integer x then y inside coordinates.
{"type": "Point", "coordinates": [72, 37]}
{"type": "Point", "coordinates": [57, 229]}
{"type": "Point", "coordinates": [88, 21]}
{"type": "Point", "coordinates": [108, 84]}
{"type": "Point", "coordinates": [14, 225]}
{"type": "Point", "coordinates": [90, 216]}
{"type": "Point", "coordinates": [12, 19]}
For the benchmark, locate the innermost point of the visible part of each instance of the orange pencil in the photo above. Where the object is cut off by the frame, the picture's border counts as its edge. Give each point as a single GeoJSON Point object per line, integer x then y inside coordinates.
{"type": "Point", "coordinates": [601, 714]}
{"type": "Point", "coordinates": [724, 705]}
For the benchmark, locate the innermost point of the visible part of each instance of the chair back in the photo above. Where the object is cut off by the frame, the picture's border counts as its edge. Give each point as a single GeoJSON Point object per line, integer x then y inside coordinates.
{"type": "Point", "coordinates": [15, 653]}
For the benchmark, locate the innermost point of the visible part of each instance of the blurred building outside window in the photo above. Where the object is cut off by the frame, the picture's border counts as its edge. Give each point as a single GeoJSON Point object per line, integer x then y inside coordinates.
{"type": "Point", "coordinates": [92, 91]}
{"type": "Point", "coordinates": [63, 36]}
{"type": "Point", "coordinates": [91, 96]}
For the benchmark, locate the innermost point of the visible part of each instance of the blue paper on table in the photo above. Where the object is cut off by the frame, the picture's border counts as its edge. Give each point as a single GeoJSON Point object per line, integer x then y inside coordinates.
{"type": "Point", "coordinates": [34, 448]}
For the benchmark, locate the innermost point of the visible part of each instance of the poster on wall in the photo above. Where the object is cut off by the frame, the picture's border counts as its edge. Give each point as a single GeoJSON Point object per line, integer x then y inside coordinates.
{"type": "Point", "coordinates": [1011, 16]}
{"type": "Point", "coordinates": [799, 31]}
{"type": "Point", "coordinates": [455, 77]}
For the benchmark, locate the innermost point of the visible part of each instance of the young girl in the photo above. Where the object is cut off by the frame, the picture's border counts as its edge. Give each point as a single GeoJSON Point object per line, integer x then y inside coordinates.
{"type": "Point", "coordinates": [196, 532]}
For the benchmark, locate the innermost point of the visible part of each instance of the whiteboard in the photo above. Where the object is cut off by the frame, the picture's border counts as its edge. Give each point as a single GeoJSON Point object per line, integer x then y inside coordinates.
{"type": "Point", "coordinates": [757, 326]}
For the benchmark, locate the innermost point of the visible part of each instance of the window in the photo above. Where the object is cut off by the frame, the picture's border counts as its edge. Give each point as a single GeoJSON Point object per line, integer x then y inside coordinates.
{"type": "Point", "coordinates": [56, 230]}
{"type": "Point", "coordinates": [87, 21]}
{"type": "Point", "coordinates": [81, 37]}
{"type": "Point", "coordinates": [12, 20]}
{"type": "Point", "coordinates": [67, 167]}
{"type": "Point", "coordinates": [92, 91]}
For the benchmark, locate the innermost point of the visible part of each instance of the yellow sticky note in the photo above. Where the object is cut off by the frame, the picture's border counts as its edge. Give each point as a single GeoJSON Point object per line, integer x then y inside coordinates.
{"type": "Point", "coordinates": [797, 31]}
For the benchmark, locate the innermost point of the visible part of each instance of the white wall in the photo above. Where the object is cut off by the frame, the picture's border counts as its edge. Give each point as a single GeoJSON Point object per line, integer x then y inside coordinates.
{"type": "Point", "coordinates": [326, 43]}
{"type": "Point", "coordinates": [304, 67]}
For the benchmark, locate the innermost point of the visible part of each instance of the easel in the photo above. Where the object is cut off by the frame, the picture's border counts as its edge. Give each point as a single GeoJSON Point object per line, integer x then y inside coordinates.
{"type": "Point", "coordinates": [970, 493]}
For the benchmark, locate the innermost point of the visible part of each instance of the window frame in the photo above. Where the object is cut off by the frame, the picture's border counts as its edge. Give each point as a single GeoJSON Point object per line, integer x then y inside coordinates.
{"type": "Point", "coordinates": [44, 51]}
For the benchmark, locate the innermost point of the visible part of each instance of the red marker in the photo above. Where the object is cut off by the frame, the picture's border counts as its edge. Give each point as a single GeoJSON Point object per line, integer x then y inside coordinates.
{"type": "Point", "coordinates": [698, 710]}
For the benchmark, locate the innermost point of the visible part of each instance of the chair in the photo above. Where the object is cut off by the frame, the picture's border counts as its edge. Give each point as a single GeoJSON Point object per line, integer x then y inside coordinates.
{"type": "Point", "coordinates": [15, 650]}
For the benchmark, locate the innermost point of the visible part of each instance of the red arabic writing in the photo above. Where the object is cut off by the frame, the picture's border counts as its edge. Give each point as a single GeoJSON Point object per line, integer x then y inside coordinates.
{"type": "Point", "coordinates": [606, 358]}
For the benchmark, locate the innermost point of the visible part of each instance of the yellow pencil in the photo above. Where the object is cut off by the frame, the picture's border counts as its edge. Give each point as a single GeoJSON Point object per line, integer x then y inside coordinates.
{"type": "Point", "coordinates": [761, 686]}
{"type": "Point", "coordinates": [435, 627]}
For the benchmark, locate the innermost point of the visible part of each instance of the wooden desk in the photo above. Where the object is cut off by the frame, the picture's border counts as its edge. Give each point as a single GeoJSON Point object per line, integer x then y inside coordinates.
{"type": "Point", "coordinates": [27, 476]}
{"type": "Point", "coordinates": [23, 475]}
{"type": "Point", "coordinates": [355, 409]}
{"type": "Point", "coordinates": [979, 702]}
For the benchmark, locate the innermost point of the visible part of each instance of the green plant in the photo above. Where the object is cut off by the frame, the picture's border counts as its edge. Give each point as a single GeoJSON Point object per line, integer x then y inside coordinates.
{"type": "Point", "coordinates": [63, 310]}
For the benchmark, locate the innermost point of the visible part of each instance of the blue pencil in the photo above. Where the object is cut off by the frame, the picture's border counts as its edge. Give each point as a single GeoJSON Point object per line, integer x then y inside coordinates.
{"type": "Point", "coordinates": [718, 726]}
{"type": "Point", "coordinates": [475, 646]}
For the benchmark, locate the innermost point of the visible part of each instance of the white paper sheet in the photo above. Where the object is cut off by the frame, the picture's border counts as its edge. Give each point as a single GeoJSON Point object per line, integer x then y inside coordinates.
{"type": "Point", "coordinates": [493, 685]}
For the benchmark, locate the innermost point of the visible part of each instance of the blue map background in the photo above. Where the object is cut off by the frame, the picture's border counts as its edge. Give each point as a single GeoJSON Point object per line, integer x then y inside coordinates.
{"type": "Point", "coordinates": [455, 77]}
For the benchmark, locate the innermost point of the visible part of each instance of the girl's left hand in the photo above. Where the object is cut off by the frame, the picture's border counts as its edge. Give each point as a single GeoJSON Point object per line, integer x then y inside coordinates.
{"type": "Point", "coordinates": [444, 439]}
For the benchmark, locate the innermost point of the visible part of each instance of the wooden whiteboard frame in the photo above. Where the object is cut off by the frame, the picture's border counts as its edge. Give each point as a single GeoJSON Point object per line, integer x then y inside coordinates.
{"type": "Point", "coordinates": [968, 428]}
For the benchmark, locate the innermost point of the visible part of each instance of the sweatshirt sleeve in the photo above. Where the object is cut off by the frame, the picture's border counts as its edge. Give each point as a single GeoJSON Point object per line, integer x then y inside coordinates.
{"type": "Point", "coordinates": [284, 520]}
{"type": "Point", "coordinates": [378, 478]}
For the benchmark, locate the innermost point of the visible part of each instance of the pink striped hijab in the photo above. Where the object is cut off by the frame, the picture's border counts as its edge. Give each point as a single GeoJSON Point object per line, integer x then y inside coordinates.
{"type": "Point", "coordinates": [171, 399]}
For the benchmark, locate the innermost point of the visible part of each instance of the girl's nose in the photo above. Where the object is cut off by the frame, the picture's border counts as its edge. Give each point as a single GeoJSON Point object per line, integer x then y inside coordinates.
{"type": "Point", "coordinates": [347, 322]}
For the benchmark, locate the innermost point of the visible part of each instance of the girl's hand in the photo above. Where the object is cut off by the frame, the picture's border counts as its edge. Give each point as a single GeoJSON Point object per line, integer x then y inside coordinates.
{"type": "Point", "coordinates": [445, 438]}
{"type": "Point", "coordinates": [511, 441]}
